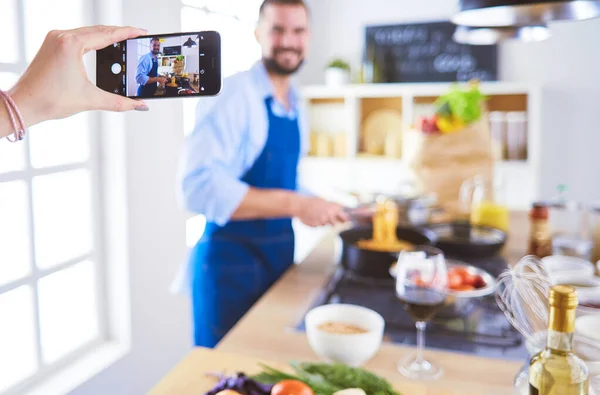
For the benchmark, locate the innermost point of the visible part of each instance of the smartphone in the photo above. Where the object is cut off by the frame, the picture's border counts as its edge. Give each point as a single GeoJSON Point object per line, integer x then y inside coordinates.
{"type": "Point", "coordinates": [162, 66]}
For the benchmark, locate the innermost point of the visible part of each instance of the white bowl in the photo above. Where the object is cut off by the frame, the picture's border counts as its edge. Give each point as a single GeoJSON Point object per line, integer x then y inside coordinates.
{"type": "Point", "coordinates": [560, 264]}
{"type": "Point", "coordinates": [350, 349]}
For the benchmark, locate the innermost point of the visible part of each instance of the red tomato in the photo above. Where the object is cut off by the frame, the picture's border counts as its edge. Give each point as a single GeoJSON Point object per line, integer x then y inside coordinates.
{"type": "Point", "coordinates": [469, 279]}
{"type": "Point", "coordinates": [454, 280]}
{"type": "Point", "coordinates": [291, 387]}
{"type": "Point", "coordinates": [461, 271]}
{"type": "Point", "coordinates": [479, 282]}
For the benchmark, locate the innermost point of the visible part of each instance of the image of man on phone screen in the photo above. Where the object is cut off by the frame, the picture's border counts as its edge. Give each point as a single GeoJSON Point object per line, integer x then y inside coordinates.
{"type": "Point", "coordinates": [147, 71]}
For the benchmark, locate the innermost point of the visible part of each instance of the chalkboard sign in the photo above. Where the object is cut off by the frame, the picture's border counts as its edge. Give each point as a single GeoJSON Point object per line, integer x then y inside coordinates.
{"type": "Point", "coordinates": [426, 52]}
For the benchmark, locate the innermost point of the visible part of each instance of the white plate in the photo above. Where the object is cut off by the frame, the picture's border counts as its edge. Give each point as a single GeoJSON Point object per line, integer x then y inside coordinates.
{"type": "Point", "coordinates": [490, 281]}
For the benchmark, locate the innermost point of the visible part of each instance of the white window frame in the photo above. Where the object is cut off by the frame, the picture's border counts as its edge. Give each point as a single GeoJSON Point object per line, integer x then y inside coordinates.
{"type": "Point", "coordinates": [109, 243]}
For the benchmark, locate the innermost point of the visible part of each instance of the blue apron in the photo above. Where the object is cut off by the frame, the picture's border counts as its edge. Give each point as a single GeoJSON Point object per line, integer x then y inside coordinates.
{"type": "Point", "coordinates": [149, 90]}
{"type": "Point", "coordinates": [233, 265]}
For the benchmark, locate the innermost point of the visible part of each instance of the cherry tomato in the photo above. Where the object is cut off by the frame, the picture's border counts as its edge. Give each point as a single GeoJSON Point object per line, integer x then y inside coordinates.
{"type": "Point", "coordinates": [479, 282]}
{"type": "Point", "coordinates": [469, 279]}
{"type": "Point", "coordinates": [461, 271]}
{"type": "Point", "coordinates": [291, 387]}
{"type": "Point", "coordinates": [465, 287]}
{"type": "Point", "coordinates": [454, 280]}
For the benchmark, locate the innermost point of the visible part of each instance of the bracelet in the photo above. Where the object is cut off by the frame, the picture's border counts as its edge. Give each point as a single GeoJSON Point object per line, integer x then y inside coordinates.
{"type": "Point", "coordinates": [18, 124]}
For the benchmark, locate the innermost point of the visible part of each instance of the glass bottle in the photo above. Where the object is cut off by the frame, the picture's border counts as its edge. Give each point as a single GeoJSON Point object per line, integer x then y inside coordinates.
{"type": "Point", "coordinates": [484, 206]}
{"type": "Point", "coordinates": [540, 238]}
{"type": "Point", "coordinates": [567, 221]}
{"type": "Point", "coordinates": [556, 370]}
{"type": "Point", "coordinates": [595, 230]}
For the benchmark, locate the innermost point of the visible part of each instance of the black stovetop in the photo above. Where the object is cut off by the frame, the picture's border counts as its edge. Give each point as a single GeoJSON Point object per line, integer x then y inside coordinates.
{"type": "Point", "coordinates": [480, 328]}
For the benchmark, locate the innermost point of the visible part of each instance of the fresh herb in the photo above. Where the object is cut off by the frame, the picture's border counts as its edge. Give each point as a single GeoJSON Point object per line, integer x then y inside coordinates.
{"type": "Point", "coordinates": [325, 379]}
{"type": "Point", "coordinates": [179, 58]}
{"type": "Point", "coordinates": [345, 376]}
{"type": "Point", "coordinates": [316, 382]}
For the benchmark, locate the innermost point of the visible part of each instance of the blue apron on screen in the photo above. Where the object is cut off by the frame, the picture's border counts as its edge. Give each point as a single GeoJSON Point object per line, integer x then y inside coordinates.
{"type": "Point", "coordinates": [149, 90]}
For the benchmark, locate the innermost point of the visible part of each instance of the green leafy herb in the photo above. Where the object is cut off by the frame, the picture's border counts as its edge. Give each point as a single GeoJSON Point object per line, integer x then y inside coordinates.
{"type": "Point", "coordinates": [316, 382]}
{"type": "Point", "coordinates": [325, 379]}
{"type": "Point", "coordinates": [464, 105]}
{"type": "Point", "coordinates": [344, 376]}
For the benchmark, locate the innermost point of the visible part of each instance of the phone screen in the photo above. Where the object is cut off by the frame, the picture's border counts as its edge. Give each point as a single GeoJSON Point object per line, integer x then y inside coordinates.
{"type": "Point", "coordinates": [162, 66]}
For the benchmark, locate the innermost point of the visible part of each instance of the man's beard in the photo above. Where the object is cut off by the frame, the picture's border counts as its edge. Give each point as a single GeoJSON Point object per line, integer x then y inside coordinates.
{"type": "Point", "coordinates": [156, 52]}
{"type": "Point", "coordinates": [275, 67]}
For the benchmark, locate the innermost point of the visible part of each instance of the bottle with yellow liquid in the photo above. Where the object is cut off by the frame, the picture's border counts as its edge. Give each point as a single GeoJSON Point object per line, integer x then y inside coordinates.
{"type": "Point", "coordinates": [556, 370]}
{"type": "Point", "coordinates": [484, 206]}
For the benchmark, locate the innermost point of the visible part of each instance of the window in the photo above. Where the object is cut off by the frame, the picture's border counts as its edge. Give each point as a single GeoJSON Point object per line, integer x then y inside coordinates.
{"type": "Point", "coordinates": [235, 20]}
{"type": "Point", "coordinates": [50, 262]}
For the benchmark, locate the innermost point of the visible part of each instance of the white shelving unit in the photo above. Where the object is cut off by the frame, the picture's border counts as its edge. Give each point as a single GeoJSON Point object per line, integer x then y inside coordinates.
{"type": "Point", "coordinates": [344, 108]}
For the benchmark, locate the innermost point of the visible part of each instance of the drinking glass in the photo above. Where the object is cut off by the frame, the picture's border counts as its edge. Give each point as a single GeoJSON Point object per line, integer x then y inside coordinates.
{"type": "Point", "coordinates": [421, 287]}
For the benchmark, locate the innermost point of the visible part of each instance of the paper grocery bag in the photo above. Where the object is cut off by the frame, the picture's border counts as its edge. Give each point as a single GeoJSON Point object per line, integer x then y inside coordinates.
{"type": "Point", "coordinates": [442, 162]}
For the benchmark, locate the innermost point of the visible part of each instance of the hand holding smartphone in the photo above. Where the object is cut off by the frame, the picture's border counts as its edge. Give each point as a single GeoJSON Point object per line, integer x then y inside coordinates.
{"type": "Point", "coordinates": [162, 66]}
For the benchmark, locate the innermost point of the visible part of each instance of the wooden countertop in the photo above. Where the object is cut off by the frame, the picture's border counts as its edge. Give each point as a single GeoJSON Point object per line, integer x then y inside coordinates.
{"type": "Point", "coordinates": [266, 332]}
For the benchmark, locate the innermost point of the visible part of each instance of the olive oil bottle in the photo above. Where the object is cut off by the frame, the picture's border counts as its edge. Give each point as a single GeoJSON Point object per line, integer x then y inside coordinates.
{"type": "Point", "coordinates": [556, 370]}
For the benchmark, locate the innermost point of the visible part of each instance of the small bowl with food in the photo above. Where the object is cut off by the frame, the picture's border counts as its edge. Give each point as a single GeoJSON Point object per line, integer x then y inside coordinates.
{"type": "Point", "coordinates": [344, 333]}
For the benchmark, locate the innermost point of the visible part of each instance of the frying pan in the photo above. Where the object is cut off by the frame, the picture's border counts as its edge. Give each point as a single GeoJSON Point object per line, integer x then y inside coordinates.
{"type": "Point", "coordinates": [376, 264]}
{"type": "Point", "coordinates": [465, 240]}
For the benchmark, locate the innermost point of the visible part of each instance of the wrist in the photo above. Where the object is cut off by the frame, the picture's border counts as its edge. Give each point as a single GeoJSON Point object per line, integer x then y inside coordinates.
{"type": "Point", "coordinates": [31, 111]}
{"type": "Point", "coordinates": [294, 203]}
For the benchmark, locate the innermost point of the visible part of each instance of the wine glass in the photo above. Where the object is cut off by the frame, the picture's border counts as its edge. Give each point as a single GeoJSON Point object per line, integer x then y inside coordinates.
{"type": "Point", "coordinates": [421, 287]}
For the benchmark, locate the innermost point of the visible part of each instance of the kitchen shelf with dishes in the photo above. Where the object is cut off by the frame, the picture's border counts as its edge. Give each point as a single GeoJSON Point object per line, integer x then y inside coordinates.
{"type": "Point", "coordinates": [358, 128]}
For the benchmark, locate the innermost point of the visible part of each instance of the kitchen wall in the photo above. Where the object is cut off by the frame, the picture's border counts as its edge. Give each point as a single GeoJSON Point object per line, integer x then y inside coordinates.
{"type": "Point", "coordinates": [567, 67]}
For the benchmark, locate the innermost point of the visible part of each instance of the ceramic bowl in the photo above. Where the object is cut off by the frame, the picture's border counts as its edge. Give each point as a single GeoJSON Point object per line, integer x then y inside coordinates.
{"type": "Point", "coordinates": [351, 349]}
{"type": "Point", "coordinates": [562, 264]}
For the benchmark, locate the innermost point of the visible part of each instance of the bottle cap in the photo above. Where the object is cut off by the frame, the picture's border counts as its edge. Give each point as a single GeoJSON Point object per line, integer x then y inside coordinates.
{"type": "Point", "coordinates": [563, 296]}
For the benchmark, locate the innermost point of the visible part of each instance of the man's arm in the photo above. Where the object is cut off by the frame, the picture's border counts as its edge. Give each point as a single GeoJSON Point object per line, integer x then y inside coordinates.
{"type": "Point", "coordinates": [212, 165]}
{"type": "Point", "coordinates": [141, 75]}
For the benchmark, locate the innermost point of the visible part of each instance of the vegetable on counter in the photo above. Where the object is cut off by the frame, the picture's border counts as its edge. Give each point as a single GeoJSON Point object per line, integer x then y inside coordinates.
{"type": "Point", "coordinates": [351, 391]}
{"type": "Point", "coordinates": [291, 387]}
{"type": "Point", "coordinates": [455, 110]}
{"type": "Point", "coordinates": [240, 384]}
{"type": "Point", "coordinates": [328, 379]}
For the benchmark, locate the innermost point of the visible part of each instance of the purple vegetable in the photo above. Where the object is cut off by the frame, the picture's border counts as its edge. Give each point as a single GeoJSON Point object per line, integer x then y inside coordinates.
{"type": "Point", "coordinates": [240, 383]}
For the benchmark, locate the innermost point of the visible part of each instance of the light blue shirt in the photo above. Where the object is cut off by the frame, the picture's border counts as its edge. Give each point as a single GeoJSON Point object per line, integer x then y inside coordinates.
{"type": "Point", "coordinates": [230, 133]}
{"type": "Point", "coordinates": [144, 67]}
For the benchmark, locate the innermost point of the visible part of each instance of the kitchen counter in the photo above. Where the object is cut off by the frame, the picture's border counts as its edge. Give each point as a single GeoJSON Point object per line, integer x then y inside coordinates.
{"type": "Point", "coordinates": [267, 331]}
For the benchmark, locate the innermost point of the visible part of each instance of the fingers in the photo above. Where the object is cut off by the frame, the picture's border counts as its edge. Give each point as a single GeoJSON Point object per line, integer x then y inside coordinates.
{"type": "Point", "coordinates": [98, 37]}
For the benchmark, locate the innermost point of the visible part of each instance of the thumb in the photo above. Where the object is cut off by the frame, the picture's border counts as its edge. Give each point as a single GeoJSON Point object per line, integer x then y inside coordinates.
{"type": "Point", "coordinates": [112, 102]}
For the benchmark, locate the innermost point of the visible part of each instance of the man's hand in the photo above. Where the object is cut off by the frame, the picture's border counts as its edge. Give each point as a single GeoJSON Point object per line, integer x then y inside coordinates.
{"type": "Point", "coordinates": [162, 80]}
{"type": "Point", "coordinates": [314, 211]}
